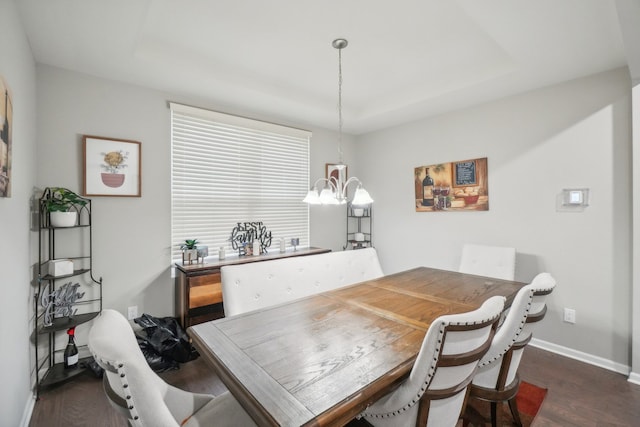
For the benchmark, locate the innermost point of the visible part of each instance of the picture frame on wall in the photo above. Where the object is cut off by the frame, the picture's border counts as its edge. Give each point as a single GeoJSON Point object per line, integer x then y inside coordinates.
{"type": "Point", "coordinates": [453, 186]}
{"type": "Point", "coordinates": [465, 173]}
{"type": "Point", "coordinates": [112, 167]}
{"type": "Point", "coordinates": [6, 136]}
{"type": "Point", "coordinates": [336, 171]}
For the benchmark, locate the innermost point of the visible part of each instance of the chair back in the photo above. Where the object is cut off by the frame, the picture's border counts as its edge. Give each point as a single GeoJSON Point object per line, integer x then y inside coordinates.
{"type": "Point", "coordinates": [256, 285]}
{"type": "Point", "coordinates": [435, 392]}
{"type": "Point", "coordinates": [498, 368]}
{"type": "Point", "coordinates": [490, 261]}
{"type": "Point", "coordinates": [148, 400]}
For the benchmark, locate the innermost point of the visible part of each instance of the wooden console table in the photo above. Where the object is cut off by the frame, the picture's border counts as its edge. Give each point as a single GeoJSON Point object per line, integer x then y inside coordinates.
{"type": "Point", "coordinates": [199, 289]}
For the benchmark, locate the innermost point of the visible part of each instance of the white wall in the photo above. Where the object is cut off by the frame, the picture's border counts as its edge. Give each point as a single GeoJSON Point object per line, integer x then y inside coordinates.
{"type": "Point", "coordinates": [629, 17]}
{"type": "Point", "coordinates": [635, 376]}
{"type": "Point", "coordinates": [18, 69]}
{"type": "Point", "coordinates": [575, 134]}
{"type": "Point", "coordinates": [132, 235]}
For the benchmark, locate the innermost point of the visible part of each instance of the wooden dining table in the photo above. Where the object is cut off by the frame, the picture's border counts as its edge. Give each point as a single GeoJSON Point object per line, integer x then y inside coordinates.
{"type": "Point", "coordinates": [321, 360]}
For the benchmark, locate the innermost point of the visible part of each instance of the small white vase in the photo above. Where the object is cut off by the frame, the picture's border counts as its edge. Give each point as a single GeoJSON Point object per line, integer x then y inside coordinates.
{"type": "Point", "coordinates": [63, 219]}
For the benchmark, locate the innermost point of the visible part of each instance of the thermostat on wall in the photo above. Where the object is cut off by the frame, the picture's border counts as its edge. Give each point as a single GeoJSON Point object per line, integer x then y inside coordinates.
{"type": "Point", "coordinates": [575, 197]}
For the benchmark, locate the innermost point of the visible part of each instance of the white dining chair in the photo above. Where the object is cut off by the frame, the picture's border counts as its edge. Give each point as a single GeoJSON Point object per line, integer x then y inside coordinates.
{"type": "Point", "coordinates": [141, 395]}
{"type": "Point", "coordinates": [491, 261]}
{"type": "Point", "coordinates": [497, 379]}
{"type": "Point", "coordinates": [436, 390]}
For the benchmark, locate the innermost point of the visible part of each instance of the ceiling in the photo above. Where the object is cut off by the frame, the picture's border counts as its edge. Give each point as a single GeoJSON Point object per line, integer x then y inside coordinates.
{"type": "Point", "coordinates": [406, 59]}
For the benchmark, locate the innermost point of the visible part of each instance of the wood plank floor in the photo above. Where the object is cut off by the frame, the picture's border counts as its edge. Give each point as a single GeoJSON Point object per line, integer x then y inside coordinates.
{"type": "Point", "coordinates": [579, 395]}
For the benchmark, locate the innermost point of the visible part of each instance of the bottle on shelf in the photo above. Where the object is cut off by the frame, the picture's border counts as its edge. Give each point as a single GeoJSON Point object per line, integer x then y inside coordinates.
{"type": "Point", "coordinates": [71, 351]}
{"type": "Point", "coordinates": [427, 189]}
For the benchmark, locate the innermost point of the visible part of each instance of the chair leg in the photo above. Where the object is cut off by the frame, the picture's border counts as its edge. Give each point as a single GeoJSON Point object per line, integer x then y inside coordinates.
{"type": "Point", "coordinates": [513, 406]}
{"type": "Point", "coordinates": [494, 414]}
{"type": "Point", "coordinates": [471, 417]}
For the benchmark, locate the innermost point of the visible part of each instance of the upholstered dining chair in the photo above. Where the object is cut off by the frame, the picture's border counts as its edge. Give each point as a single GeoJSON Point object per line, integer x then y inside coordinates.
{"type": "Point", "coordinates": [436, 390]}
{"type": "Point", "coordinates": [141, 395]}
{"type": "Point", "coordinates": [491, 261]}
{"type": "Point", "coordinates": [497, 379]}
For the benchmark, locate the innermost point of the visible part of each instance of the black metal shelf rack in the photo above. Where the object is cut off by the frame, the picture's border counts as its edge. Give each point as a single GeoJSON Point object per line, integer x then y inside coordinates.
{"type": "Point", "coordinates": [52, 316]}
{"type": "Point", "coordinates": [359, 227]}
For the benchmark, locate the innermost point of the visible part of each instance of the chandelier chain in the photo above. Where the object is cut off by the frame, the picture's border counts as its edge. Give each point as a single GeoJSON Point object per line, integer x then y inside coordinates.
{"type": "Point", "coordinates": [340, 121]}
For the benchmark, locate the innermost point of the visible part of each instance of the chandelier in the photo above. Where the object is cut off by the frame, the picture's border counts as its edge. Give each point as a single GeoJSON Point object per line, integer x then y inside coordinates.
{"type": "Point", "coordinates": [334, 188]}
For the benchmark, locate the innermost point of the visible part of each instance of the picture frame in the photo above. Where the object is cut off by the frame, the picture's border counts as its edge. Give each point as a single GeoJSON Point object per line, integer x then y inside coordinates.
{"type": "Point", "coordinates": [112, 167]}
{"type": "Point", "coordinates": [465, 173]}
{"type": "Point", "coordinates": [333, 171]}
{"type": "Point", "coordinates": [6, 137]}
{"type": "Point", "coordinates": [452, 186]}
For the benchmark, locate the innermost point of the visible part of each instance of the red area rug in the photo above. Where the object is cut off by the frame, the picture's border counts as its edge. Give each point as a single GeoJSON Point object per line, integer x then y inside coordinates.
{"type": "Point", "coordinates": [529, 398]}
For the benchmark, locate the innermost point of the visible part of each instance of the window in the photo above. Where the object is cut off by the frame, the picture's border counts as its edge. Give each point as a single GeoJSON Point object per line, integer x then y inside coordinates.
{"type": "Point", "coordinates": [228, 169]}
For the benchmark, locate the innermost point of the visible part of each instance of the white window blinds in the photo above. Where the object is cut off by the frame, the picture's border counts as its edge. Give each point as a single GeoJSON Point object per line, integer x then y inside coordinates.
{"type": "Point", "coordinates": [228, 169]}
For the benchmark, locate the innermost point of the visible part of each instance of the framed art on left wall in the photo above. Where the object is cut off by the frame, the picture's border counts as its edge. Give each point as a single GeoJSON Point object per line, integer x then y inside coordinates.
{"type": "Point", "coordinates": [112, 167]}
{"type": "Point", "coordinates": [6, 135]}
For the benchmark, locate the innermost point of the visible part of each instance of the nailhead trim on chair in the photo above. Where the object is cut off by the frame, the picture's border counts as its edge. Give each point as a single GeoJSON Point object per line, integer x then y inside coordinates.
{"type": "Point", "coordinates": [523, 322]}
{"type": "Point", "coordinates": [118, 367]}
{"type": "Point", "coordinates": [131, 406]}
{"type": "Point", "coordinates": [430, 373]}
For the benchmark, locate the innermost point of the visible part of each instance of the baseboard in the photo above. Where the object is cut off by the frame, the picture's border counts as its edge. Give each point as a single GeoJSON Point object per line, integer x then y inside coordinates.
{"type": "Point", "coordinates": [583, 357]}
{"type": "Point", "coordinates": [28, 411]}
{"type": "Point", "coordinates": [634, 378]}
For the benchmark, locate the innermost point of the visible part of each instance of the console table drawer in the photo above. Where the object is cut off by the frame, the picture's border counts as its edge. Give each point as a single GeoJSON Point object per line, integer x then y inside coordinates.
{"type": "Point", "coordinates": [205, 290]}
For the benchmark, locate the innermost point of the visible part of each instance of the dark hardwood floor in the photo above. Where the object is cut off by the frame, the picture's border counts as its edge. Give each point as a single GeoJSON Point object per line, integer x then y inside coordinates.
{"type": "Point", "coordinates": [579, 395]}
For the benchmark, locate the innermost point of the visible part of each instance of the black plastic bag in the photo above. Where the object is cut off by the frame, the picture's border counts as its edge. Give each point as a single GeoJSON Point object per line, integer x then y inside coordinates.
{"type": "Point", "coordinates": [164, 342]}
{"type": "Point", "coordinates": [156, 361]}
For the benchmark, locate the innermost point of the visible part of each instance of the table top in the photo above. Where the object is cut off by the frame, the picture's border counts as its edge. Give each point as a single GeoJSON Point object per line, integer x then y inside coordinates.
{"type": "Point", "coordinates": [321, 360]}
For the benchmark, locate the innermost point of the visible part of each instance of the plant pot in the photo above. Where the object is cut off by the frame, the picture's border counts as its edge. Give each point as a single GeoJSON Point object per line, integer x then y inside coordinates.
{"type": "Point", "coordinates": [112, 180]}
{"type": "Point", "coordinates": [63, 219]}
{"type": "Point", "coordinates": [189, 256]}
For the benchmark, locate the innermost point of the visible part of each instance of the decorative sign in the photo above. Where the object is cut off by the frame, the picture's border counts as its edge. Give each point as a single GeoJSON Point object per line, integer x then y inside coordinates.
{"type": "Point", "coordinates": [59, 302]}
{"type": "Point", "coordinates": [244, 234]}
{"type": "Point", "coordinates": [455, 186]}
{"type": "Point", "coordinates": [464, 173]}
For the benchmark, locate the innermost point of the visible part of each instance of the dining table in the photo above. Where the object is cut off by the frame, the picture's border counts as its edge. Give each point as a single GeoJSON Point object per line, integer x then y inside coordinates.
{"type": "Point", "coordinates": [321, 360]}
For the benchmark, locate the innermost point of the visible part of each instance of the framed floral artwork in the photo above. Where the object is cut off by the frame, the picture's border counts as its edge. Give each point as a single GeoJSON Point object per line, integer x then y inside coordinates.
{"type": "Point", "coordinates": [112, 167]}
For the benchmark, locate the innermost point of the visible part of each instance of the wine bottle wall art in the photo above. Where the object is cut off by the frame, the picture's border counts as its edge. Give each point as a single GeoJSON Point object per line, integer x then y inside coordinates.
{"type": "Point", "coordinates": [453, 186]}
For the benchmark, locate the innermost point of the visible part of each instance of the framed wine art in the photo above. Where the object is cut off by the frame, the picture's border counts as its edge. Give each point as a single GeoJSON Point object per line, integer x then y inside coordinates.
{"type": "Point", "coordinates": [454, 186]}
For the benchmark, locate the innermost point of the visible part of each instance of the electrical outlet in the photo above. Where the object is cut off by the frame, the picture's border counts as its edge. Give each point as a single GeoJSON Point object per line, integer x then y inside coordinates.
{"type": "Point", "coordinates": [132, 312]}
{"type": "Point", "coordinates": [569, 315]}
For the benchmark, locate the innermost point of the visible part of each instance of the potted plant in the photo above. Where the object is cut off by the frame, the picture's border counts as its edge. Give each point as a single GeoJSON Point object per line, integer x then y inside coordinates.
{"type": "Point", "coordinates": [63, 205]}
{"type": "Point", "coordinates": [189, 250]}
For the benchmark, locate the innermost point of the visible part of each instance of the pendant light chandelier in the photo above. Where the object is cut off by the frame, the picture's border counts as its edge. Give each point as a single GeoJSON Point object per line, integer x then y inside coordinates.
{"type": "Point", "coordinates": [334, 190]}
